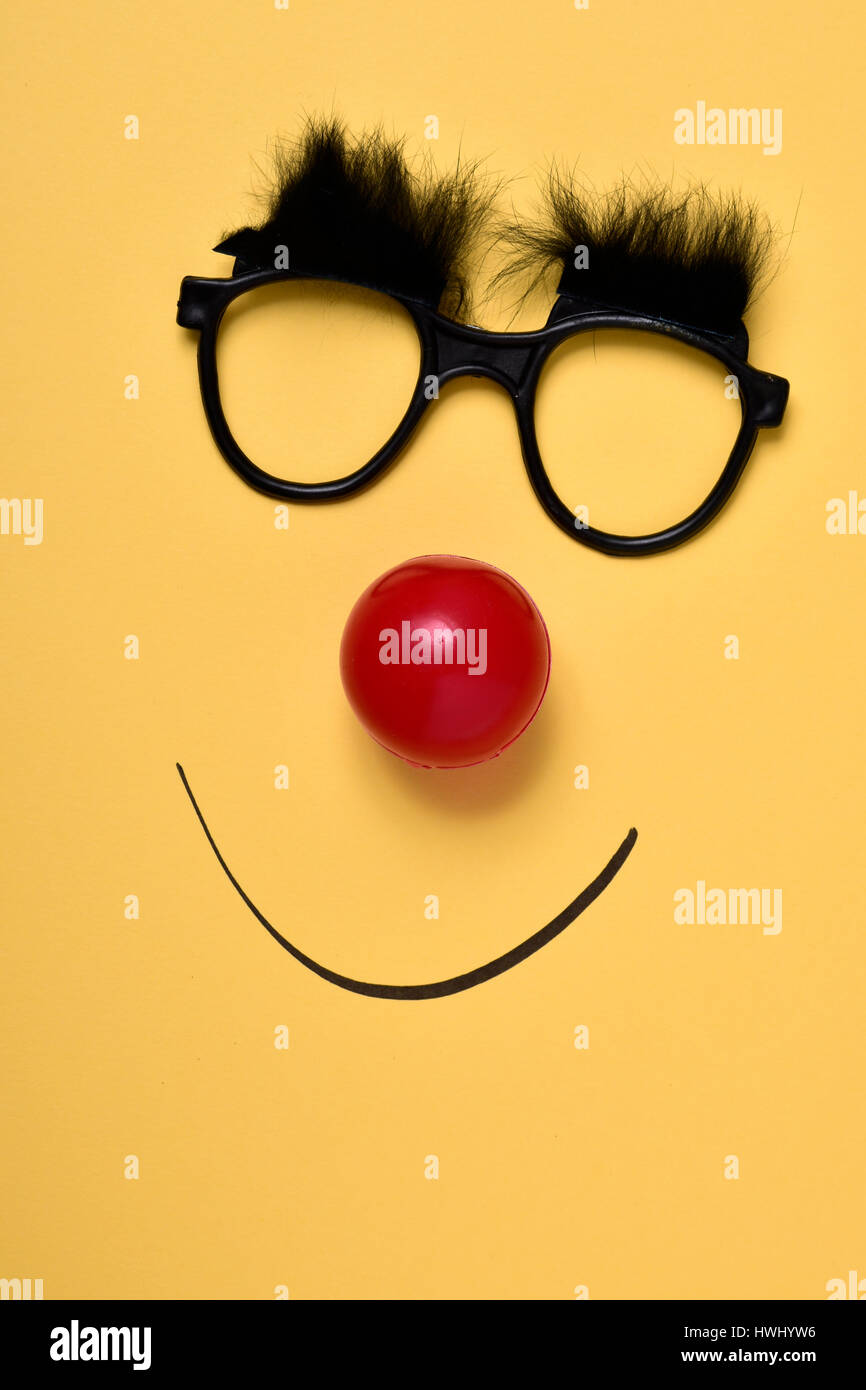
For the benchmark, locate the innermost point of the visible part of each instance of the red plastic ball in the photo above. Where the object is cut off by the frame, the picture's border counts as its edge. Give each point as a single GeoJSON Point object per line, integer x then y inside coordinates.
{"type": "Point", "coordinates": [445, 660]}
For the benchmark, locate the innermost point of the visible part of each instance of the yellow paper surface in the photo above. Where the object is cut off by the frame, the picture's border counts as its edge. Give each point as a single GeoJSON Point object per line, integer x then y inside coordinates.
{"type": "Point", "coordinates": [604, 1169]}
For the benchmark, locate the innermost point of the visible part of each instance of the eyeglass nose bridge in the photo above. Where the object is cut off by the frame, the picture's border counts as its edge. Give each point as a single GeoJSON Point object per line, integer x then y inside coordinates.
{"type": "Point", "coordinates": [464, 350]}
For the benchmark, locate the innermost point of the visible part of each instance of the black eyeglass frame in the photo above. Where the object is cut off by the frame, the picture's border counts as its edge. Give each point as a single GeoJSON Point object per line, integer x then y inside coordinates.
{"type": "Point", "coordinates": [514, 360]}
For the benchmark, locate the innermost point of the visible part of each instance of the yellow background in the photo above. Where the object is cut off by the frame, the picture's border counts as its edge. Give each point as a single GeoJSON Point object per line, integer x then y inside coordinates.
{"type": "Point", "coordinates": [154, 1037]}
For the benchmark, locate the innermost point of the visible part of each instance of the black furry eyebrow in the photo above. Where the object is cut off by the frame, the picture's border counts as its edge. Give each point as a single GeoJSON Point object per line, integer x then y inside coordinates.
{"type": "Point", "coordinates": [694, 258]}
{"type": "Point", "coordinates": [349, 207]}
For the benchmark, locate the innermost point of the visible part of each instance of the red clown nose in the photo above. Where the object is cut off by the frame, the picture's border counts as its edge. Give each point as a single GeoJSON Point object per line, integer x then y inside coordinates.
{"type": "Point", "coordinates": [445, 660]}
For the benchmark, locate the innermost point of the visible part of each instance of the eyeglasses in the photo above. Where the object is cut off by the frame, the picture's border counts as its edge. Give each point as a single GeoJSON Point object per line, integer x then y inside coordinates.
{"type": "Point", "coordinates": [515, 361]}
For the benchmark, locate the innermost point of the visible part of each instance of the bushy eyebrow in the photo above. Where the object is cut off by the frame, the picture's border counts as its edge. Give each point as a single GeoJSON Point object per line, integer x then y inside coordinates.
{"type": "Point", "coordinates": [351, 207]}
{"type": "Point", "coordinates": [695, 257]}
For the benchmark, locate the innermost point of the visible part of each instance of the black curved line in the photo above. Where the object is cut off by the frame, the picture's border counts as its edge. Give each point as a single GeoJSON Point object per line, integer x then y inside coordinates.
{"type": "Point", "coordinates": [439, 988]}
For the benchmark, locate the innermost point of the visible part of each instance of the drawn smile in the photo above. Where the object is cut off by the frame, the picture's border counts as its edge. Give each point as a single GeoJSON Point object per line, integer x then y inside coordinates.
{"type": "Point", "coordinates": [438, 989]}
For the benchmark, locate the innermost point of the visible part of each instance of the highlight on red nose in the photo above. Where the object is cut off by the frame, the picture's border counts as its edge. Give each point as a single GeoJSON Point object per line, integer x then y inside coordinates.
{"type": "Point", "coordinates": [445, 660]}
